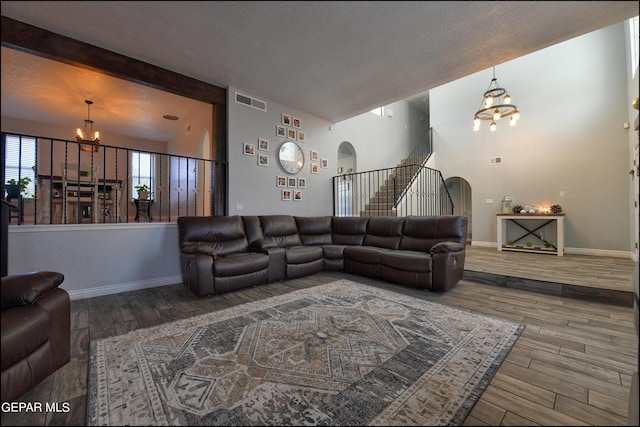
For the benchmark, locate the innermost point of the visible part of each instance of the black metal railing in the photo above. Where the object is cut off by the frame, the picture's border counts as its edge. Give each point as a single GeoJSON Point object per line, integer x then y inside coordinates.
{"type": "Point", "coordinates": [73, 186]}
{"type": "Point", "coordinates": [399, 191]}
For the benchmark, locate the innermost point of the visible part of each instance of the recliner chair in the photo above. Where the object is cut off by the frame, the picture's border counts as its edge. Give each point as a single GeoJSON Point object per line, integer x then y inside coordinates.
{"type": "Point", "coordinates": [36, 330]}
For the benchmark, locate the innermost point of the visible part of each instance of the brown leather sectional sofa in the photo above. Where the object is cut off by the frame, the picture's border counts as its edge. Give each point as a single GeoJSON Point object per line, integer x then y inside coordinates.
{"type": "Point", "coordinates": [36, 330]}
{"type": "Point", "coordinates": [220, 254]}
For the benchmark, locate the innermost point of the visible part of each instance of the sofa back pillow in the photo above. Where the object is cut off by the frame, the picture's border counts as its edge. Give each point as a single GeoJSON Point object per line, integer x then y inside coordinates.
{"type": "Point", "coordinates": [220, 235]}
{"type": "Point", "coordinates": [281, 229]}
{"type": "Point", "coordinates": [384, 232]}
{"type": "Point", "coordinates": [314, 230]}
{"type": "Point", "coordinates": [420, 233]}
{"type": "Point", "coordinates": [348, 230]}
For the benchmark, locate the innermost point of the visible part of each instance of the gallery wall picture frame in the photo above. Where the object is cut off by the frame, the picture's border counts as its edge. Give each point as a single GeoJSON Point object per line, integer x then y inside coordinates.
{"type": "Point", "coordinates": [300, 136]}
{"type": "Point", "coordinates": [286, 119]}
{"type": "Point", "coordinates": [291, 133]}
{"type": "Point", "coordinates": [315, 168]}
{"type": "Point", "coordinates": [297, 196]}
{"type": "Point", "coordinates": [296, 122]}
{"type": "Point", "coordinates": [263, 160]}
{"type": "Point", "coordinates": [292, 182]}
{"type": "Point", "coordinates": [249, 149]}
{"type": "Point", "coordinates": [286, 194]}
{"type": "Point", "coordinates": [263, 144]}
{"type": "Point", "coordinates": [324, 163]}
{"type": "Point", "coordinates": [281, 131]}
{"type": "Point", "coordinates": [281, 181]}
{"type": "Point", "coordinates": [302, 183]}
{"type": "Point", "coordinates": [314, 156]}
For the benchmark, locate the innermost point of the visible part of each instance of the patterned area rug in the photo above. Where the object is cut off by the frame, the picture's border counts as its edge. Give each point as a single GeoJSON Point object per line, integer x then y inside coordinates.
{"type": "Point", "coordinates": [337, 354]}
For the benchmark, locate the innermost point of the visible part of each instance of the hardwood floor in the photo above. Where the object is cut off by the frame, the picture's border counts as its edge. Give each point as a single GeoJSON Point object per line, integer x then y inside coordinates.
{"type": "Point", "coordinates": [571, 366]}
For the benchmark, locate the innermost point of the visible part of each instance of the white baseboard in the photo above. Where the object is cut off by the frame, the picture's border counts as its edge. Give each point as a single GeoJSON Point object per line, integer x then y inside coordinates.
{"type": "Point", "coordinates": [483, 244]}
{"type": "Point", "coordinates": [123, 287]}
{"type": "Point", "coordinates": [573, 251]}
{"type": "Point", "coordinates": [599, 252]}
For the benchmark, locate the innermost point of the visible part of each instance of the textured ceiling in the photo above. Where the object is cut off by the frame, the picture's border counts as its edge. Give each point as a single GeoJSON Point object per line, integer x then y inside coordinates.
{"type": "Point", "coordinates": [334, 60]}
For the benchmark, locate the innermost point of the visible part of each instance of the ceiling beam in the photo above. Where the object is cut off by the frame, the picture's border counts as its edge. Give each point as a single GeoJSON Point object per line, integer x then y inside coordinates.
{"type": "Point", "coordinates": [37, 41]}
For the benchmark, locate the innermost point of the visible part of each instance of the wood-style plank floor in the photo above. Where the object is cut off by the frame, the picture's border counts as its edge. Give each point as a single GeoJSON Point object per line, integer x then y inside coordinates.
{"type": "Point", "coordinates": [582, 270]}
{"type": "Point", "coordinates": [571, 366]}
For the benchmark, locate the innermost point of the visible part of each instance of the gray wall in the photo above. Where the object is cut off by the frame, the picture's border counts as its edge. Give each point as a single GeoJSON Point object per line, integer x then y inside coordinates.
{"type": "Point", "coordinates": [570, 138]}
{"type": "Point", "coordinates": [379, 142]}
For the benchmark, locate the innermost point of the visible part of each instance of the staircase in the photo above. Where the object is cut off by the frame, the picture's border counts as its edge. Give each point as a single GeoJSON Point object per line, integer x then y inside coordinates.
{"type": "Point", "coordinates": [410, 188]}
{"type": "Point", "coordinates": [383, 202]}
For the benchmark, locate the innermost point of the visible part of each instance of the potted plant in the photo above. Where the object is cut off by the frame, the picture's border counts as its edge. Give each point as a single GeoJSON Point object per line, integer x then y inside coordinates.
{"type": "Point", "coordinates": [529, 244]}
{"type": "Point", "coordinates": [143, 191]}
{"type": "Point", "coordinates": [15, 188]}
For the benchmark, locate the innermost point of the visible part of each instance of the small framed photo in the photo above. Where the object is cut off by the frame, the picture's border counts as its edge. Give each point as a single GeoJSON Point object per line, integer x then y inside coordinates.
{"type": "Point", "coordinates": [296, 122]}
{"type": "Point", "coordinates": [297, 195]}
{"type": "Point", "coordinates": [263, 144]}
{"type": "Point", "coordinates": [281, 181]}
{"type": "Point", "coordinates": [324, 163]}
{"type": "Point", "coordinates": [281, 131]}
{"type": "Point", "coordinates": [314, 156]}
{"type": "Point", "coordinates": [249, 149]}
{"type": "Point", "coordinates": [291, 133]}
{"type": "Point", "coordinates": [263, 160]}
{"type": "Point", "coordinates": [302, 183]}
{"type": "Point", "coordinates": [286, 119]}
{"type": "Point", "coordinates": [291, 182]}
{"type": "Point", "coordinates": [315, 168]}
{"type": "Point", "coordinates": [339, 169]}
{"type": "Point", "coordinates": [300, 136]}
{"type": "Point", "coordinates": [286, 194]}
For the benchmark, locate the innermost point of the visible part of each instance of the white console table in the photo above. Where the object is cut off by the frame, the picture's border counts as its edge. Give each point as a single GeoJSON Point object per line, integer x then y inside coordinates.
{"type": "Point", "coordinates": [529, 225]}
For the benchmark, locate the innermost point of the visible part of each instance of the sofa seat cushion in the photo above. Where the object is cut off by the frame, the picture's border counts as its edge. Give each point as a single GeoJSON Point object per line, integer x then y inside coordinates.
{"type": "Point", "coordinates": [333, 251]}
{"type": "Point", "coordinates": [24, 329]}
{"type": "Point", "coordinates": [364, 254]}
{"type": "Point", "coordinates": [240, 263]}
{"type": "Point", "coordinates": [303, 254]}
{"type": "Point", "coordinates": [413, 261]}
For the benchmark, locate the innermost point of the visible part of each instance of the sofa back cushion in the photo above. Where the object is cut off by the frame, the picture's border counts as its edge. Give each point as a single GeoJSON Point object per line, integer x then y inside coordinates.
{"type": "Point", "coordinates": [220, 235]}
{"type": "Point", "coordinates": [422, 232]}
{"type": "Point", "coordinates": [314, 230]}
{"type": "Point", "coordinates": [348, 230]}
{"type": "Point", "coordinates": [384, 232]}
{"type": "Point", "coordinates": [253, 229]}
{"type": "Point", "coordinates": [281, 229]}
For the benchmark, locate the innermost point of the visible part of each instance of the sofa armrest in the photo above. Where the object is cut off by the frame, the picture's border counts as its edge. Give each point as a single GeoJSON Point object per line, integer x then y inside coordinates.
{"type": "Point", "coordinates": [26, 288]}
{"type": "Point", "coordinates": [441, 247]}
{"type": "Point", "coordinates": [200, 249]}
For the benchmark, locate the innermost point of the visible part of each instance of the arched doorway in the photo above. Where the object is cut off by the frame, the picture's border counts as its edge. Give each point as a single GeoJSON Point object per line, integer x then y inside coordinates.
{"type": "Point", "coordinates": [460, 191]}
{"type": "Point", "coordinates": [344, 187]}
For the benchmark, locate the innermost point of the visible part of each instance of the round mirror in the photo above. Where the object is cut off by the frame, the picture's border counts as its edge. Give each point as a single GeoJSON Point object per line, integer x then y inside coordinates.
{"type": "Point", "coordinates": [291, 157]}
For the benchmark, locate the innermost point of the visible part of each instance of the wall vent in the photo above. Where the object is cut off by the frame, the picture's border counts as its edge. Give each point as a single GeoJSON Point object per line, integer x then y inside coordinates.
{"type": "Point", "coordinates": [495, 160]}
{"type": "Point", "coordinates": [251, 102]}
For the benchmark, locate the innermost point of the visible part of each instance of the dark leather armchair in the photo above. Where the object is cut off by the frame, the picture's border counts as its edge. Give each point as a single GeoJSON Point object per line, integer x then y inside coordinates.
{"type": "Point", "coordinates": [36, 330]}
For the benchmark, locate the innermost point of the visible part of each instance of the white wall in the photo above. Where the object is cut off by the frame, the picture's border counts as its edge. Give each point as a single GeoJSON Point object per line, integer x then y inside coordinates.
{"type": "Point", "coordinates": [570, 138]}
{"type": "Point", "coordinates": [379, 142]}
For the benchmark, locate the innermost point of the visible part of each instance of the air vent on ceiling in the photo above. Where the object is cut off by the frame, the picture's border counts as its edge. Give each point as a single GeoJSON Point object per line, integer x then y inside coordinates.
{"type": "Point", "coordinates": [495, 160]}
{"type": "Point", "coordinates": [251, 102]}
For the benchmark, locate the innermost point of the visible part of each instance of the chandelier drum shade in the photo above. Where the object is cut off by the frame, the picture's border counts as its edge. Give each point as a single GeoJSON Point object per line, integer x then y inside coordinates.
{"type": "Point", "coordinates": [88, 139]}
{"type": "Point", "coordinates": [496, 105]}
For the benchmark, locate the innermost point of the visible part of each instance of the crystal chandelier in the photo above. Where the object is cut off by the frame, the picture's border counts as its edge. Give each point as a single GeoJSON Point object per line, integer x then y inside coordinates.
{"type": "Point", "coordinates": [496, 104]}
{"type": "Point", "coordinates": [88, 139]}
